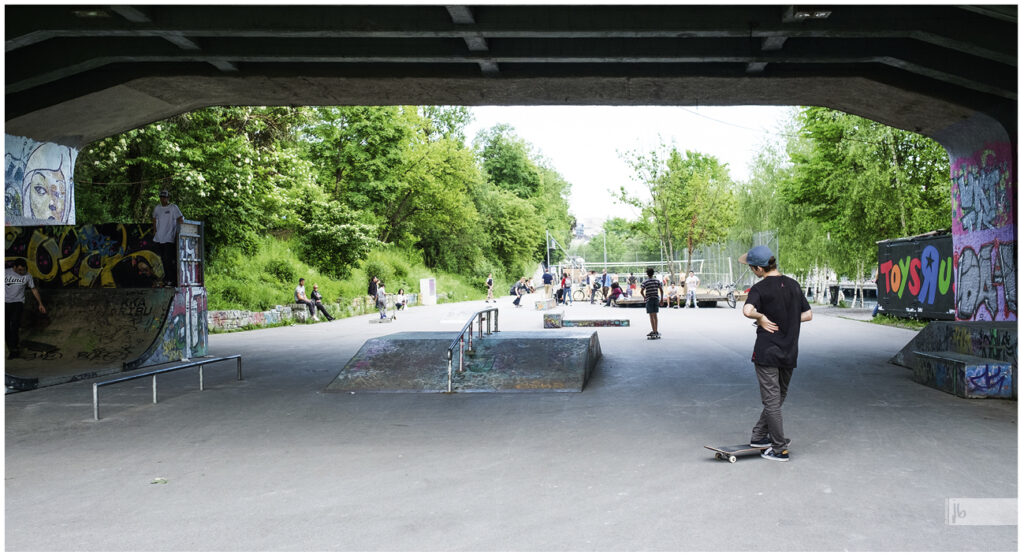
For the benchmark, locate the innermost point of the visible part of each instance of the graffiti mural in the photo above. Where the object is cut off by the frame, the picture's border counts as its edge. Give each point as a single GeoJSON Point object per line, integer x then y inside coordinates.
{"type": "Point", "coordinates": [38, 182]}
{"type": "Point", "coordinates": [984, 240]}
{"type": "Point", "coordinates": [915, 277]}
{"type": "Point", "coordinates": [87, 256]}
{"type": "Point", "coordinates": [186, 332]}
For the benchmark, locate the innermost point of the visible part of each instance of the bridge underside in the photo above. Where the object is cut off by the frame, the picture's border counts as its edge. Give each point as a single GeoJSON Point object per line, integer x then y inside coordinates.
{"type": "Point", "coordinates": [79, 73]}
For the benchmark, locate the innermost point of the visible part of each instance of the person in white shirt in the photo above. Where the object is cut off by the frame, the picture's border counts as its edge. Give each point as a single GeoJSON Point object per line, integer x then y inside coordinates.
{"type": "Point", "coordinates": [673, 294]}
{"type": "Point", "coordinates": [167, 218]}
{"type": "Point", "coordinates": [300, 297]}
{"type": "Point", "coordinates": [692, 282]}
{"type": "Point", "coordinates": [16, 278]}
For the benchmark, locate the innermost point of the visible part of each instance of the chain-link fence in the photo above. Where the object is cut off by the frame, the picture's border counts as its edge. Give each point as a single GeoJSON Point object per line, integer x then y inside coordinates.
{"type": "Point", "coordinates": [716, 265]}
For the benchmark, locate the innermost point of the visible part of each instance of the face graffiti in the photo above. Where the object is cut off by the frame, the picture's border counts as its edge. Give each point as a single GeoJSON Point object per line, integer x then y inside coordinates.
{"type": "Point", "coordinates": [47, 194]}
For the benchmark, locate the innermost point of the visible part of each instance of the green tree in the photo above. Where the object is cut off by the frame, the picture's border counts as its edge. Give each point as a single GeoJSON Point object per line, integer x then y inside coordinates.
{"type": "Point", "coordinates": [689, 198]}
{"type": "Point", "coordinates": [864, 182]}
{"type": "Point", "coordinates": [230, 167]}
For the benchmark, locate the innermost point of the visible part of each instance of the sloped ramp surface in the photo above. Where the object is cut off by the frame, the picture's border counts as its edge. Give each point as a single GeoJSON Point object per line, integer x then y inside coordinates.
{"type": "Point", "coordinates": [87, 333]}
{"type": "Point", "coordinates": [542, 361]}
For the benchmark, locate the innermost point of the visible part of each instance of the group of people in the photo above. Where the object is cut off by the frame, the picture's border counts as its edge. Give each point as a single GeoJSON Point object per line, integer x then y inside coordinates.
{"type": "Point", "coordinates": [776, 303]}
{"type": "Point", "coordinates": [376, 290]}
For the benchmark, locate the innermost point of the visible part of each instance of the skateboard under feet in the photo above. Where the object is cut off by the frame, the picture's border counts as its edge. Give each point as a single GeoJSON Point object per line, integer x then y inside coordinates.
{"type": "Point", "coordinates": [731, 452]}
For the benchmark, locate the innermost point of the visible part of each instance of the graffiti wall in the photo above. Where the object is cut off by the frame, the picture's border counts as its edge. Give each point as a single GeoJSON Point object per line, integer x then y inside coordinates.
{"type": "Point", "coordinates": [186, 331]}
{"type": "Point", "coordinates": [984, 236]}
{"type": "Point", "coordinates": [87, 256]}
{"type": "Point", "coordinates": [915, 277]}
{"type": "Point", "coordinates": [38, 182]}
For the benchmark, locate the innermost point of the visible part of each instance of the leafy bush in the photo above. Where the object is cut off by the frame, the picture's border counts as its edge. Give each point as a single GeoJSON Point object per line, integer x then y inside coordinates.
{"type": "Point", "coordinates": [282, 270]}
{"type": "Point", "coordinates": [332, 239]}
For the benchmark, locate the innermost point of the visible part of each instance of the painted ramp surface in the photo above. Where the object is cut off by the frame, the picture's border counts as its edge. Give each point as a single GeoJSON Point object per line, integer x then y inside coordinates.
{"type": "Point", "coordinates": [88, 333]}
{"type": "Point", "coordinates": [546, 361]}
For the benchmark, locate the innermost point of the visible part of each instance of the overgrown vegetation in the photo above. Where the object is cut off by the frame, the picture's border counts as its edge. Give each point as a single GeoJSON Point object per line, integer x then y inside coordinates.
{"type": "Point", "coordinates": [335, 193]}
{"type": "Point", "coordinates": [343, 189]}
{"type": "Point", "coordinates": [268, 278]}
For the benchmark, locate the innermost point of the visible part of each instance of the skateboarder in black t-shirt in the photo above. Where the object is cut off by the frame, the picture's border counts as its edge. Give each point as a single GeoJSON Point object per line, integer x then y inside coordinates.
{"type": "Point", "coordinates": [778, 306]}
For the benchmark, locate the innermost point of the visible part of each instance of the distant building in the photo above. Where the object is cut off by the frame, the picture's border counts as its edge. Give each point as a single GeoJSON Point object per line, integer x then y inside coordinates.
{"type": "Point", "coordinates": [579, 231]}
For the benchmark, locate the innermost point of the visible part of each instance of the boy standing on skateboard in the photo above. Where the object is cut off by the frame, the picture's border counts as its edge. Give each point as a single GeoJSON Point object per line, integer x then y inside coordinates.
{"type": "Point", "coordinates": [653, 292]}
{"type": "Point", "coordinates": [778, 306]}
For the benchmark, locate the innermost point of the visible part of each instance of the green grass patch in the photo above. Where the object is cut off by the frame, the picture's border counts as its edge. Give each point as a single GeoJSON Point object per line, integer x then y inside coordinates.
{"type": "Point", "coordinates": [899, 322]}
{"type": "Point", "coordinates": [268, 278]}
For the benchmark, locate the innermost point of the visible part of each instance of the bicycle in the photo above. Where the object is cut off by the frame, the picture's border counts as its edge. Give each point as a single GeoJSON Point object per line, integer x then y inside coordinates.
{"type": "Point", "coordinates": [730, 292]}
{"type": "Point", "coordinates": [582, 293]}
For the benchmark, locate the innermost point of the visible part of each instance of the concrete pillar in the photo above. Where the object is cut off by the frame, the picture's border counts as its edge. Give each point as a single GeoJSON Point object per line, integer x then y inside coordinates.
{"type": "Point", "coordinates": [983, 173]}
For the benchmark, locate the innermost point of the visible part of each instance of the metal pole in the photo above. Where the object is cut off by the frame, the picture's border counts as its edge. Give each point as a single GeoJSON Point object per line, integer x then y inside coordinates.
{"type": "Point", "coordinates": [547, 248]}
{"type": "Point", "coordinates": [462, 349]}
{"type": "Point", "coordinates": [239, 362]}
{"type": "Point", "coordinates": [95, 402]}
{"type": "Point", "coordinates": [154, 389]}
{"type": "Point", "coordinates": [449, 371]}
{"type": "Point", "coordinates": [200, 378]}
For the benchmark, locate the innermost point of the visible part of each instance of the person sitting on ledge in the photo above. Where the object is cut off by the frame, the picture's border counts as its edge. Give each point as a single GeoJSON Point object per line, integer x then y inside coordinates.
{"type": "Point", "coordinates": [615, 294]}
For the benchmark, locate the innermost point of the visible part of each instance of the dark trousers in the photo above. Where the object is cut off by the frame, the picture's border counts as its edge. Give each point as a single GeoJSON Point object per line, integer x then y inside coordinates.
{"type": "Point", "coordinates": [169, 257]}
{"type": "Point", "coordinates": [12, 324]}
{"type": "Point", "coordinates": [323, 309]}
{"type": "Point", "coordinates": [774, 383]}
{"type": "Point", "coordinates": [309, 305]}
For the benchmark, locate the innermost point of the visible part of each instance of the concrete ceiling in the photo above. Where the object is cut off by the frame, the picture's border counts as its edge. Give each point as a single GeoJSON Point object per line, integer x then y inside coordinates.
{"type": "Point", "coordinates": [79, 73]}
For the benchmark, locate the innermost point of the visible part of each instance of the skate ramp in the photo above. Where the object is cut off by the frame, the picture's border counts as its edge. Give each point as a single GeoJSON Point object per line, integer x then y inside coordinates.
{"type": "Point", "coordinates": [546, 361]}
{"type": "Point", "coordinates": [87, 333]}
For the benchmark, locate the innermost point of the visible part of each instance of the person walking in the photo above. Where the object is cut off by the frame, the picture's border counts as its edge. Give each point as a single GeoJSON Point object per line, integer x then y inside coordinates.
{"type": "Point", "coordinates": [16, 278]}
{"type": "Point", "coordinates": [490, 289]}
{"type": "Point", "coordinates": [606, 284]}
{"type": "Point", "coordinates": [778, 307]}
{"type": "Point", "coordinates": [653, 293]}
{"type": "Point", "coordinates": [382, 300]}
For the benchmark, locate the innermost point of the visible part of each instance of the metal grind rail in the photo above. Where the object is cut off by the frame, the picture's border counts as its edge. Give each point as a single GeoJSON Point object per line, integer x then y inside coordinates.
{"type": "Point", "coordinates": [461, 339]}
{"type": "Point", "coordinates": [96, 385]}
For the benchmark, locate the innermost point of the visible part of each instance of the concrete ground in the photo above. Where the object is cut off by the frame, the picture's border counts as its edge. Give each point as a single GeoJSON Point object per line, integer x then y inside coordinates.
{"type": "Point", "coordinates": [272, 463]}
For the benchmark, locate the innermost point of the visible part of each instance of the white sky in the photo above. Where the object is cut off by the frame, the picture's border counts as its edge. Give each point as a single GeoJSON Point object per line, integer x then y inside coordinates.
{"type": "Point", "coordinates": [582, 143]}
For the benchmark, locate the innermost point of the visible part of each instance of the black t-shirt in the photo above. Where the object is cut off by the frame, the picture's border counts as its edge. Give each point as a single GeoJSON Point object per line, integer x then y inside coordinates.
{"type": "Point", "coordinates": [782, 301]}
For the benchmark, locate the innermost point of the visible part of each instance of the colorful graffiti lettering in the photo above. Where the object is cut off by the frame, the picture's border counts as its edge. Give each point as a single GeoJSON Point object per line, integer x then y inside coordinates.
{"type": "Point", "coordinates": [916, 277]}
{"type": "Point", "coordinates": [984, 235]}
{"type": "Point", "coordinates": [982, 276]}
{"type": "Point", "coordinates": [68, 256]}
{"type": "Point", "coordinates": [991, 380]}
{"type": "Point", "coordinates": [982, 194]}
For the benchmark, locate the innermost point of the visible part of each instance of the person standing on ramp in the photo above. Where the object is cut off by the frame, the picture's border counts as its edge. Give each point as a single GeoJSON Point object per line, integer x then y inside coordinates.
{"type": "Point", "coordinates": [778, 306]}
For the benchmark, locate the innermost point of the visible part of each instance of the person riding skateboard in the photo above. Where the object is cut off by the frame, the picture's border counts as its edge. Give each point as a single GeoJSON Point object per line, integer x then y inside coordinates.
{"type": "Point", "coordinates": [778, 307]}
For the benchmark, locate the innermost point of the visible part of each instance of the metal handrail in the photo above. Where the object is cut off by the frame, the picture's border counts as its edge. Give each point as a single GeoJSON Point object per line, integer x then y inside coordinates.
{"type": "Point", "coordinates": [96, 385]}
{"type": "Point", "coordinates": [460, 339]}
